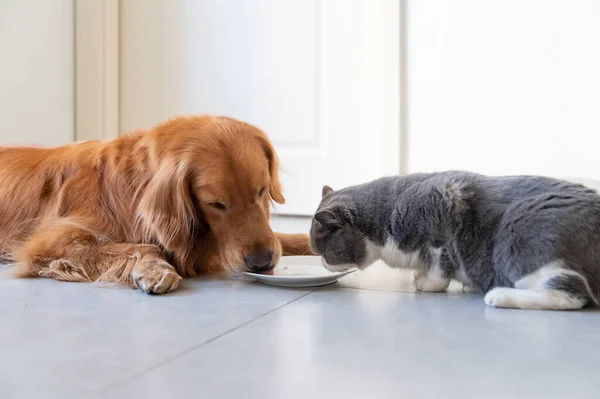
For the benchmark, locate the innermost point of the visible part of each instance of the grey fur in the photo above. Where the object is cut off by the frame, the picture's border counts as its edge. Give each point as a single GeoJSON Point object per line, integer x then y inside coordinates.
{"type": "Point", "coordinates": [492, 231]}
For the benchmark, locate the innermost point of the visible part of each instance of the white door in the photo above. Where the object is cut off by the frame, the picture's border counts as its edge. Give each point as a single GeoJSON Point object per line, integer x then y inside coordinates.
{"type": "Point", "coordinates": [36, 72]}
{"type": "Point", "coordinates": [322, 78]}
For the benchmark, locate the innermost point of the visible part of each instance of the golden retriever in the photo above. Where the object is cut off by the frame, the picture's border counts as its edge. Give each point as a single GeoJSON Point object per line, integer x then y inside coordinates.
{"type": "Point", "coordinates": [190, 196]}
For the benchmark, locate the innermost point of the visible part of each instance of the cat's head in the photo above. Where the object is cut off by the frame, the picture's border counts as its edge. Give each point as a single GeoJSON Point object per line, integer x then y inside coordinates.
{"type": "Point", "coordinates": [335, 235]}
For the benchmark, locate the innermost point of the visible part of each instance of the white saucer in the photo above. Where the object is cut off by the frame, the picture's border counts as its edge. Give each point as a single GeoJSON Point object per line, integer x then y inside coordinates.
{"type": "Point", "coordinates": [300, 271]}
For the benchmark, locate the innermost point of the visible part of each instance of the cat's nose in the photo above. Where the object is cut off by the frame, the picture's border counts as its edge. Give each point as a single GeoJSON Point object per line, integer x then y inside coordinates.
{"type": "Point", "coordinates": [259, 261]}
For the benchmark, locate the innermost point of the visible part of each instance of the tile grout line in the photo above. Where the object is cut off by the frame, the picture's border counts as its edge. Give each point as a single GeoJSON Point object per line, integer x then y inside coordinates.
{"type": "Point", "coordinates": [110, 387]}
{"type": "Point", "coordinates": [377, 290]}
{"type": "Point", "coordinates": [416, 292]}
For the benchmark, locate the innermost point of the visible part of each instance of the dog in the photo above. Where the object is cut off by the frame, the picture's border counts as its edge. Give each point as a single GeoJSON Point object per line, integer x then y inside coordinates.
{"type": "Point", "coordinates": [188, 197]}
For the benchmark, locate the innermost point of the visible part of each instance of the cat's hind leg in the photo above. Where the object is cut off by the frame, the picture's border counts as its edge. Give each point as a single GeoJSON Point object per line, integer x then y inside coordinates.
{"type": "Point", "coordinates": [552, 287]}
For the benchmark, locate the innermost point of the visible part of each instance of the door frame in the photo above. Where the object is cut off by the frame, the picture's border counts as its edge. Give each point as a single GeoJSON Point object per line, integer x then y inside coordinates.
{"type": "Point", "coordinates": [96, 50]}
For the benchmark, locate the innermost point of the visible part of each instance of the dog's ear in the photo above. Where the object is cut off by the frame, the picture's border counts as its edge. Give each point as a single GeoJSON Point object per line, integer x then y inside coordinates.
{"type": "Point", "coordinates": [275, 190]}
{"type": "Point", "coordinates": [166, 211]}
{"type": "Point", "coordinates": [326, 190]}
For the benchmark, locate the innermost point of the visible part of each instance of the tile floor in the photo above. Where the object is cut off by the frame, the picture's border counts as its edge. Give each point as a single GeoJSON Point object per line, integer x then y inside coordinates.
{"type": "Point", "coordinates": [369, 336]}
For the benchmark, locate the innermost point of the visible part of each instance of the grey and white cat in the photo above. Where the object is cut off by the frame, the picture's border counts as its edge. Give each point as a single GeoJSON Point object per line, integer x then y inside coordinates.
{"type": "Point", "coordinates": [527, 242]}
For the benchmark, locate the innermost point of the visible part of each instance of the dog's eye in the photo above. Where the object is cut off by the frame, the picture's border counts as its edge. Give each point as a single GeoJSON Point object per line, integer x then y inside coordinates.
{"type": "Point", "coordinates": [261, 191]}
{"type": "Point", "coordinates": [218, 205]}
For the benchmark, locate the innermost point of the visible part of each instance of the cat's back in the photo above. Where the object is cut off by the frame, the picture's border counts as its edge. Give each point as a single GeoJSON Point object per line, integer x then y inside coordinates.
{"type": "Point", "coordinates": [508, 189]}
{"type": "Point", "coordinates": [489, 197]}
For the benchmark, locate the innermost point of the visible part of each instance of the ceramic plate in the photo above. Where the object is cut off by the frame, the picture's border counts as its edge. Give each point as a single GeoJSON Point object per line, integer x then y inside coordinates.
{"type": "Point", "coordinates": [300, 271]}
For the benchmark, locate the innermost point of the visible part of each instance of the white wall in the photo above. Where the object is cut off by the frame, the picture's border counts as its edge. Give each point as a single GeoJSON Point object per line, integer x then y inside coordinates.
{"type": "Point", "coordinates": [36, 72]}
{"type": "Point", "coordinates": [291, 224]}
{"type": "Point", "coordinates": [504, 87]}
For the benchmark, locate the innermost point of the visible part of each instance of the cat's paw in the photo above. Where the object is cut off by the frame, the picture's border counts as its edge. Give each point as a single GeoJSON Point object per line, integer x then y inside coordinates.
{"type": "Point", "coordinates": [426, 284]}
{"type": "Point", "coordinates": [500, 297]}
{"type": "Point", "coordinates": [467, 289]}
{"type": "Point", "coordinates": [419, 273]}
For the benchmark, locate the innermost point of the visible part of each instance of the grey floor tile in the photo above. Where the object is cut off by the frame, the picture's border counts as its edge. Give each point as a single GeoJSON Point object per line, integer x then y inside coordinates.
{"type": "Point", "coordinates": [348, 343]}
{"type": "Point", "coordinates": [61, 340]}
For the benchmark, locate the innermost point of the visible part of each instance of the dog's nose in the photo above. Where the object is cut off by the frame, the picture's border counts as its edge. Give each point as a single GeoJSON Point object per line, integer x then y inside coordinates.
{"type": "Point", "coordinates": [259, 261]}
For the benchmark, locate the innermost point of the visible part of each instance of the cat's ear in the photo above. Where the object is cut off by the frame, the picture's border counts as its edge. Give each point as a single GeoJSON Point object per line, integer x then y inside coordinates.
{"type": "Point", "coordinates": [346, 214]}
{"type": "Point", "coordinates": [326, 190]}
{"type": "Point", "coordinates": [328, 219]}
{"type": "Point", "coordinates": [335, 216]}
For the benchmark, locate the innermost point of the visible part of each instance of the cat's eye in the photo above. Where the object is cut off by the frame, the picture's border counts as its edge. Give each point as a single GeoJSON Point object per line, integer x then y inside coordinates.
{"type": "Point", "coordinates": [261, 192]}
{"type": "Point", "coordinates": [218, 205]}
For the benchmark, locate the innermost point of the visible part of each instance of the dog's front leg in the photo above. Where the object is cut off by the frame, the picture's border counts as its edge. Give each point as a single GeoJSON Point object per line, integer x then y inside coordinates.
{"type": "Point", "coordinates": [65, 251]}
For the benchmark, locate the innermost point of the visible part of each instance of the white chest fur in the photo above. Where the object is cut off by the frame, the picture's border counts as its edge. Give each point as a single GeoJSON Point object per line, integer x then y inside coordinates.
{"type": "Point", "coordinates": [395, 257]}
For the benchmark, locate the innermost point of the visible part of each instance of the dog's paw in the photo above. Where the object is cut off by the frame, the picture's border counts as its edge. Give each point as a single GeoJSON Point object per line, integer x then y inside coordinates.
{"type": "Point", "coordinates": [64, 269]}
{"type": "Point", "coordinates": [425, 284]}
{"type": "Point", "coordinates": [157, 277]}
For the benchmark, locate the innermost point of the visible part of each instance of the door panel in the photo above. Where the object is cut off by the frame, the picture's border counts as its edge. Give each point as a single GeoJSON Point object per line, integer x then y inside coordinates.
{"type": "Point", "coordinates": [320, 77]}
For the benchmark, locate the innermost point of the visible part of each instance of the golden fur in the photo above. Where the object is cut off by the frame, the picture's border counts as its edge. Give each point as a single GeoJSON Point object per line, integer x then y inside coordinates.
{"type": "Point", "coordinates": [190, 196]}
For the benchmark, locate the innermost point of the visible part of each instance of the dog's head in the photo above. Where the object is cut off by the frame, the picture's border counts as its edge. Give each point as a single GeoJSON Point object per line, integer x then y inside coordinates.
{"type": "Point", "coordinates": [214, 175]}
